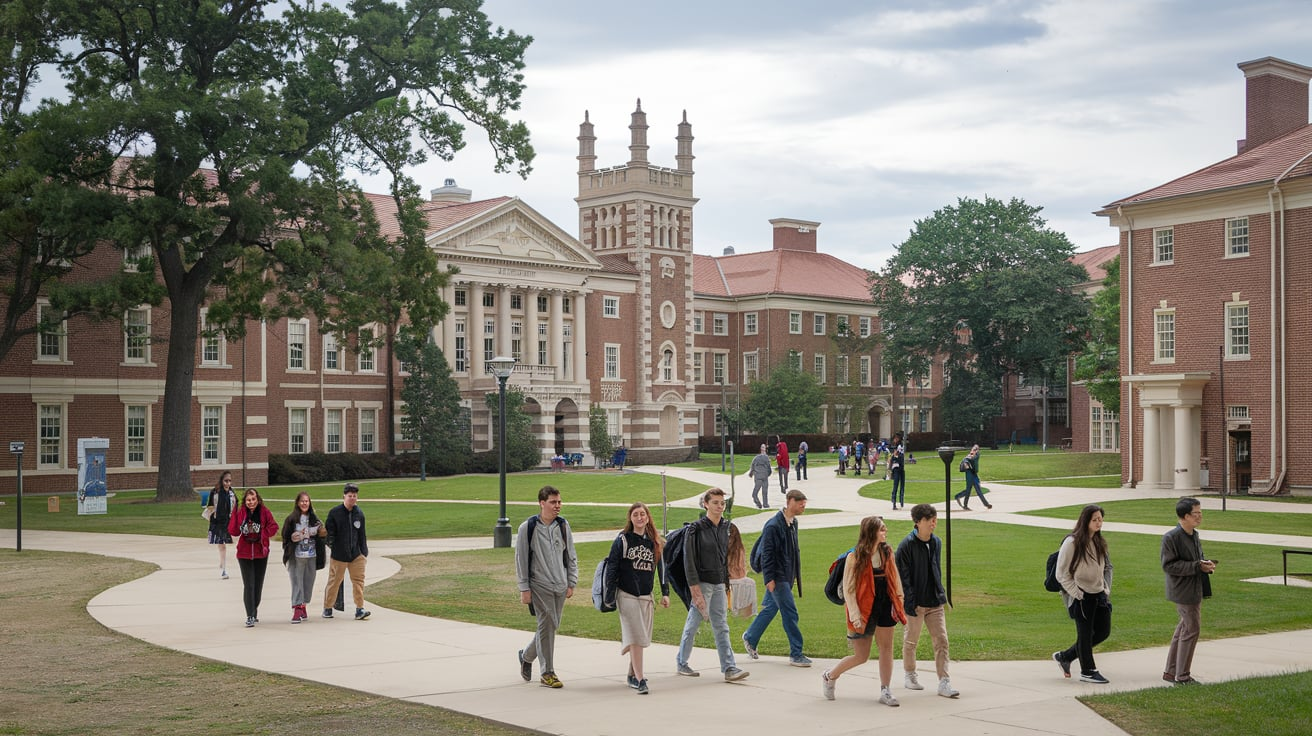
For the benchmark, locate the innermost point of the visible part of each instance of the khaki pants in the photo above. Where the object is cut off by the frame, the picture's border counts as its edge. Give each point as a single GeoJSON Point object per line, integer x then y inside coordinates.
{"type": "Point", "coordinates": [336, 571]}
{"type": "Point", "coordinates": [937, 622]}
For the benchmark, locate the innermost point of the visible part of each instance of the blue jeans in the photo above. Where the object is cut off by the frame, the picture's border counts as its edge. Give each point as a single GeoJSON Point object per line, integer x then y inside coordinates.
{"type": "Point", "coordinates": [717, 604]}
{"type": "Point", "coordinates": [801, 467]}
{"type": "Point", "coordinates": [972, 483]}
{"type": "Point", "coordinates": [781, 602]}
{"type": "Point", "coordinates": [899, 486]}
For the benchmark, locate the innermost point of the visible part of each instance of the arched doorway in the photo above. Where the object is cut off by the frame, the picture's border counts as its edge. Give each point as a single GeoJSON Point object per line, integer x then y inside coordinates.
{"type": "Point", "coordinates": [566, 439]}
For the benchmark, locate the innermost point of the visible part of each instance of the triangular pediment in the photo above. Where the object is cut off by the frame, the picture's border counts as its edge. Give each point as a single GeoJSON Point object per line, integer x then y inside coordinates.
{"type": "Point", "coordinates": [512, 232]}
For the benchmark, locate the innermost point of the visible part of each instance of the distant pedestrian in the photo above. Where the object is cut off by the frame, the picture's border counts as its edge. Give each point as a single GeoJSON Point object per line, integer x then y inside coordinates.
{"type": "Point", "coordinates": [1084, 570]}
{"type": "Point", "coordinates": [918, 562]}
{"type": "Point", "coordinates": [781, 458]}
{"type": "Point", "coordinates": [872, 596]}
{"type": "Point", "coordinates": [971, 461]}
{"type": "Point", "coordinates": [859, 455]}
{"type": "Point", "coordinates": [1187, 584]}
{"type": "Point", "coordinates": [547, 571]}
{"type": "Point", "coordinates": [633, 570]}
{"type": "Point", "coordinates": [760, 472]}
{"type": "Point", "coordinates": [706, 565]}
{"type": "Point", "coordinates": [253, 525]}
{"type": "Point", "coordinates": [224, 501]}
{"type": "Point", "coordinates": [897, 470]}
{"type": "Point", "coordinates": [303, 552]}
{"type": "Point", "coordinates": [802, 450]}
{"type": "Point", "coordinates": [350, 544]}
{"type": "Point", "coordinates": [842, 459]}
{"type": "Point", "coordinates": [781, 568]}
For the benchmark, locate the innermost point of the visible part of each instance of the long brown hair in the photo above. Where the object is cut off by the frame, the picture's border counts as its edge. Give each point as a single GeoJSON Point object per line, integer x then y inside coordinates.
{"type": "Point", "coordinates": [1085, 544]}
{"type": "Point", "coordinates": [649, 532]}
{"type": "Point", "coordinates": [868, 545]}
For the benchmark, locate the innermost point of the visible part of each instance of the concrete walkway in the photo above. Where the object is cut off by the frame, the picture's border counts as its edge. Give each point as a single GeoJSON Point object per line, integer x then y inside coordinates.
{"type": "Point", "coordinates": [472, 668]}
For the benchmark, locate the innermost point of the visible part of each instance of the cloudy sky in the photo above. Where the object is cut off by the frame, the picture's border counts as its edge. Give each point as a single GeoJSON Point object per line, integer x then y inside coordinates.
{"type": "Point", "coordinates": [867, 116]}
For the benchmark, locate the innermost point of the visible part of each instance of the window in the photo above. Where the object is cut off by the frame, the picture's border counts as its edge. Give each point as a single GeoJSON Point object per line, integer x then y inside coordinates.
{"type": "Point", "coordinates": [50, 436]}
{"type": "Point", "coordinates": [211, 343]}
{"type": "Point", "coordinates": [297, 335]}
{"type": "Point", "coordinates": [698, 322]}
{"type": "Point", "coordinates": [697, 368]}
{"type": "Point", "coordinates": [818, 327]}
{"type": "Point", "coordinates": [332, 359]}
{"type": "Point", "coordinates": [1104, 429]}
{"type": "Point", "coordinates": [136, 335]}
{"type": "Point", "coordinates": [1236, 330]}
{"type": "Point", "coordinates": [885, 376]}
{"type": "Point", "coordinates": [517, 341]}
{"type": "Point", "coordinates": [542, 305]}
{"type": "Point", "coordinates": [1164, 336]}
{"type": "Point", "coordinates": [1164, 245]}
{"type": "Point", "coordinates": [298, 430]}
{"type": "Point", "coordinates": [611, 368]}
{"type": "Point", "coordinates": [489, 299]}
{"type": "Point", "coordinates": [566, 304]}
{"type": "Point", "coordinates": [610, 307]}
{"type": "Point", "coordinates": [864, 368]}
{"type": "Point", "coordinates": [517, 301]}
{"type": "Point", "coordinates": [132, 257]}
{"type": "Point", "coordinates": [368, 430]}
{"type": "Point", "coordinates": [135, 434]}
{"type": "Point", "coordinates": [462, 349]}
{"type": "Point", "coordinates": [1236, 237]}
{"type": "Point", "coordinates": [489, 339]}
{"type": "Point", "coordinates": [718, 363]}
{"type": "Point", "coordinates": [794, 323]}
{"type": "Point", "coordinates": [719, 324]}
{"type": "Point", "coordinates": [542, 344]}
{"type": "Point", "coordinates": [461, 298]}
{"type": "Point", "coordinates": [667, 365]}
{"type": "Point", "coordinates": [820, 368]}
{"type": "Point", "coordinates": [749, 323]}
{"type": "Point", "coordinates": [751, 367]}
{"type": "Point", "coordinates": [332, 430]}
{"type": "Point", "coordinates": [365, 350]}
{"type": "Point", "coordinates": [840, 370]}
{"type": "Point", "coordinates": [795, 360]}
{"type": "Point", "coordinates": [52, 341]}
{"type": "Point", "coordinates": [211, 434]}
{"type": "Point", "coordinates": [864, 326]}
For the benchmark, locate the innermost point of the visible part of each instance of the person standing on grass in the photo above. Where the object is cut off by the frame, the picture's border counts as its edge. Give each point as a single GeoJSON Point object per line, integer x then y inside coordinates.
{"type": "Point", "coordinates": [303, 553]}
{"type": "Point", "coordinates": [1187, 585]}
{"type": "Point", "coordinates": [872, 597]}
{"type": "Point", "coordinates": [547, 571]}
{"type": "Point", "coordinates": [922, 590]}
{"type": "Point", "coordinates": [632, 571]}
{"type": "Point", "coordinates": [706, 565]}
{"type": "Point", "coordinates": [350, 544]}
{"type": "Point", "coordinates": [1085, 572]}
{"type": "Point", "coordinates": [972, 481]}
{"type": "Point", "coordinates": [224, 501]}
{"type": "Point", "coordinates": [781, 566]}
{"type": "Point", "coordinates": [897, 471]}
{"type": "Point", "coordinates": [253, 525]}
{"type": "Point", "coordinates": [760, 472]}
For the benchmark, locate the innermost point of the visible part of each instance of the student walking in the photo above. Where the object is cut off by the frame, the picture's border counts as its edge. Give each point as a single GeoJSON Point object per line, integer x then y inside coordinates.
{"type": "Point", "coordinates": [706, 565]}
{"type": "Point", "coordinates": [971, 461]}
{"type": "Point", "coordinates": [872, 597]}
{"type": "Point", "coordinates": [632, 571]}
{"type": "Point", "coordinates": [350, 544]}
{"type": "Point", "coordinates": [760, 472]}
{"type": "Point", "coordinates": [918, 563]}
{"type": "Point", "coordinates": [1084, 570]}
{"type": "Point", "coordinates": [303, 552]}
{"type": "Point", "coordinates": [547, 571]}
{"type": "Point", "coordinates": [223, 501]}
{"type": "Point", "coordinates": [781, 567]}
{"type": "Point", "coordinates": [897, 470]}
{"type": "Point", "coordinates": [253, 525]}
{"type": "Point", "coordinates": [1187, 584]}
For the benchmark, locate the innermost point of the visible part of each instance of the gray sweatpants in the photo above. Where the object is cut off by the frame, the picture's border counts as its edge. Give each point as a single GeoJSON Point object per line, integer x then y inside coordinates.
{"type": "Point", "coordinates": [549, 606]}
{"type": "Point", "coordinates": [301, 570]}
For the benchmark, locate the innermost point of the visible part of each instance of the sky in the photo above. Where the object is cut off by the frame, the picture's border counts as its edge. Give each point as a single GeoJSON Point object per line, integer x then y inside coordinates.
{"type": "Point", "coordinates": [870, 116]}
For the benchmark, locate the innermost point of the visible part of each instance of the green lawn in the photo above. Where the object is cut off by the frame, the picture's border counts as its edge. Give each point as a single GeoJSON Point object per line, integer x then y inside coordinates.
{"type": "Point", "coordinates": [1162, 511]}
{"type": "Point", "coordinates": [1272, 706]}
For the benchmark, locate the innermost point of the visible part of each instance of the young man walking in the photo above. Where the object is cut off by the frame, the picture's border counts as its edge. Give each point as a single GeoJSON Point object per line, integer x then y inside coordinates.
{"type": "Point", "coordinates": [781, 566]}
{"type": "Point", "coordinates": [547, 571]}
{"type": "Point", "coordinates": [706, 564]}
{"type": "Point", "coordinates": [761, 472]}
{"type": "Point", "coordinates": [1187, 585]}
{"type": "Point", "coordinates": [802, 449]}
{"type": "Point", "coordinates": [350, 551]}
{"type": "Point", "coordinates": [922, 589]}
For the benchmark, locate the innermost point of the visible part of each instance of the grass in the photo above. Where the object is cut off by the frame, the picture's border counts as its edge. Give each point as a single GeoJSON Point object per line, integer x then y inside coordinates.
{"type": "Point", "coordinates": [1162, 512]}
{"type": "Point", "coordinates": [1266, 705]}
{"type": "Point", "coordinates": [76, 678]}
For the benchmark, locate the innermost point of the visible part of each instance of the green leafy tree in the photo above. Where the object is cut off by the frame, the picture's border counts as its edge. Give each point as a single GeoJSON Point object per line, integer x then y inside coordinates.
{"type": "Point", "coordinates": [987, 287]}
{"type": "Point", "coordinates": [788, 401]}
{"type": "Point", "coordinates": [239, 129]}
{"type": "Point", "coordinates": [969, 401]}
{"type": "Point", "coordinates": [522, 450]}
{"type": "Point", "coordinates": [599, 441]}
{"type": "Point", "coordinates": [1099, 366]}
{"type": "Point", "coordinates": [433, 415]}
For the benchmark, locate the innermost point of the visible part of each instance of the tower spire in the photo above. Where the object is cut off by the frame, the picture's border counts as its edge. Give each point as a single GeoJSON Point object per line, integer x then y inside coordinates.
{"type": "Point", "coordinates": [683, 156]}
{"type": "Point", "coordinates": [587, 146]}
{"type": "Point", "coordinates": [638, 137]}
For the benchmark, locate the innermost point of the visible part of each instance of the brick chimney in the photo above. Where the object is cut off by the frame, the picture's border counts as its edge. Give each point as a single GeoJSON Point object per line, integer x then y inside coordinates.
{"type": "Point", "coordinates": [1276, 98]}
{"type": "Point", "coordinates": [792, 234]}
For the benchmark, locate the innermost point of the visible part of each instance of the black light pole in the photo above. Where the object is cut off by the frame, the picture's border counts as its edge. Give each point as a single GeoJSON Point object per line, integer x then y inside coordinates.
{"type": "Point", "coordinates": [724, 424]}
{"type": "Point", "coordinates": [17, 449]}
{"type": "Point", "coordinates": [502, 367]}
{"type": "Point", "coordinates": [947, 453]}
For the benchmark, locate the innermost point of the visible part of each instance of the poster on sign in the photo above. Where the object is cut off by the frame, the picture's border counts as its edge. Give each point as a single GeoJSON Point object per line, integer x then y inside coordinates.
{"type": "Point", "coordinates": [92, 489]}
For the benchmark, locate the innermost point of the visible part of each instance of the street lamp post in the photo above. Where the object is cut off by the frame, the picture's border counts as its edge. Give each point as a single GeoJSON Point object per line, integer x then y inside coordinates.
{"type": "Point", "coordinates": [502, 367]}
{"type": "Point", "coordinates": [947, 453]}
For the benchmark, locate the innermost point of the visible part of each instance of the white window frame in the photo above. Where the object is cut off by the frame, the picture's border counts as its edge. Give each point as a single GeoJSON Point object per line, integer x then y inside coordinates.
{"type": "Point", "coordinates": [863, 326]}
{"type": "Point", "coordinates": [1238, 338]}
{"type": "Point", "coordinates": [365, 359]}
{"type": "Point", "coordinates": [750, 323]}
{"type": "Point", "coordinates": [794, 323]}
{"type": "Point", "coordinates": [719, 323]}
{"type": "Point", "coordinates": [795, 360]}
{"type": "Point", "coordinates": [460, 362]}
{"type": "Point", "coordinates": [332, 353]}
{"type": "Point", "coordinates": [698, 322]}
{"type": "Point", "coordinates": [819, 324]}
{"type": "Point", "coordinates": [610, 307]}
{"type": "Point", "coordinates": [51, 415]}
{"type": "Point", "coordinates": [1104, 429]}
{"type": "Point", "coordinates": [136, 337]}
{"type": "Point", "coordinates": [698, 367]}
{"type": "Point", "coordinates": [298, 344]}
{"type": "Point", "coordinates": [1163, 246]}
{"type": "Point", "coordinates": [818, 366]}
{"type": "Point", "coordinates": [751, 366]}
{"type": "Point", "coordinates": [1237, 234]}
{"type": "Point", "coordinates": [298, 415]}
{"type": "Point", "coordinates": [1162, 351]}
{"type": "Point", "coordinates": [214, 342]}
{"type": "Point", "coordinates": [489, 339]}
{"type": "Point", "coordinates": [719, 367]}
{"type": "Point", "coordinates": [841, 364]}
{"type": "Point", "coordinates": [667, 365]}
{"type": "Point", "coordinates": [460, 298]}
{"type": "Point", "coordinates": [133, 443]}
{"type": "Point", "coordinates": [132, 255]}
{"type": "Point", "coordinates": [864, 367]}
{"type": "Point", "coordinates": [57, 339]}
{"type": "Point", "coordinates": [329, 436]}
{"type": "Point", "coordinates": [213, 456]}
{"type": "Point", "coordinates": [367, 430]}
{"type": "Point", "coordinates": [611, 362]}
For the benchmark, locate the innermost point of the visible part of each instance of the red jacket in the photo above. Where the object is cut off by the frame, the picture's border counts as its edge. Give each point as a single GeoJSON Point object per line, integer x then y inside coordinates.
{"type": "Point", "coordinates": [255, 545]}
{"type": "Point", "coordinates": [781, 455]}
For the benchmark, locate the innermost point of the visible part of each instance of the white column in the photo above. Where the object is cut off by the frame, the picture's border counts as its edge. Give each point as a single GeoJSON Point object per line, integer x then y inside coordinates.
{"type": "Point", "coordinates": [474, 331]}
{"type": "Point", "coordinates": [580, 338]}
{"type": "Point", "coordinates": [1184, 464]}
{"type": "Point", "coordinates": [1152, 470]}
{"type": "Point", "coordinates": [556, 334]}
{"type": "Point", "coordinates": [531, 327]}
{"type": "Point", "coordinates": [448, 327]}
{"type": "Point", "coordinates": [503, 320]}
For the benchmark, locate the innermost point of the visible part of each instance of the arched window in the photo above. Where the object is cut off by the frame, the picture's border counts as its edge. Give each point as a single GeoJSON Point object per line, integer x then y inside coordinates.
{"type": "Point", "coordinates": [667, 365]}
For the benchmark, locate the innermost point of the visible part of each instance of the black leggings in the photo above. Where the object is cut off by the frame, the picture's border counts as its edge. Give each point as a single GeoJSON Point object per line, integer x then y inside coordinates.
{"type": "Point", "coordinates": [1093, 624]}
{"type": "Point", "coordinates": [252, 583]}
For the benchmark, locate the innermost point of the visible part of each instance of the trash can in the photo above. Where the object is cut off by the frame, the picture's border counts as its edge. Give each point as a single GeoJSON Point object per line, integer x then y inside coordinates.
{"type": "Point", "coordinates": [52, 504]}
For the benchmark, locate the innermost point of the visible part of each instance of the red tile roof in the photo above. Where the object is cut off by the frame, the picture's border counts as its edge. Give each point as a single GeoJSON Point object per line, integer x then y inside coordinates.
{"type": "Point", "coordinates": [795, 272]}
{"type": "Point", "coordinates": [1258, 165]}
{"type": "Point", "coordinates": [616, 263]}
{"type": "Point", "coordinates": [1093, 260]}
{"type": "Point", "coordinates": [441, 215]}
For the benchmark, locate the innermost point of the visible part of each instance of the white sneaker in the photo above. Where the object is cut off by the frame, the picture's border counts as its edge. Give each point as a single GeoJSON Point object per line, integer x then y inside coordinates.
{"type": "Point", "coordinates": [223, 574]}
{"type": "Point", "coordinates": [912, 682]}
{"type": "Point", "coordinates": [945, 689]}
{"type": "Point", "coordinates": [886, 697]}
{"type": "Point", "coordinates": [827, 686]}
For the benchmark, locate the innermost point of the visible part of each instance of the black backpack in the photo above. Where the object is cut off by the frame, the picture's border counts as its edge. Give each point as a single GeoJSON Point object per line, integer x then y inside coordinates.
{"type": "Point", "coordinates": [672, 556]}
{"type": "Point", "coordinates": [603, 598]}
{"type": "Point", "coordinates": [834, 585]}
{"type": "Point", "coordinates": [1050, 583]}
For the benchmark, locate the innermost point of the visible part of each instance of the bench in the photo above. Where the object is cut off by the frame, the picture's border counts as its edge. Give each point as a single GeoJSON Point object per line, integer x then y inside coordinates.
{"type": "Point", "coordinates": [1285, 555]}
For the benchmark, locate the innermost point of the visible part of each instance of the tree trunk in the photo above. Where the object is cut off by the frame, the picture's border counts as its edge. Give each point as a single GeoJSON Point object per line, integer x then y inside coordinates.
{"type": "Point", "coordinates": [174, 482]}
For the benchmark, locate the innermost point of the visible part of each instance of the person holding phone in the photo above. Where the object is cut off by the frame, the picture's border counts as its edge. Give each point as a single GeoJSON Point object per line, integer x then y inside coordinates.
{"type": "Point", "coordinates": [1187, 584]}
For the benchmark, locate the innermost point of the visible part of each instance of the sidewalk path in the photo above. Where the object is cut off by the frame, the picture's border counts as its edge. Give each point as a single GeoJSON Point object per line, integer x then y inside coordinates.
{"type": "Point", "coordinates": [472, 668]}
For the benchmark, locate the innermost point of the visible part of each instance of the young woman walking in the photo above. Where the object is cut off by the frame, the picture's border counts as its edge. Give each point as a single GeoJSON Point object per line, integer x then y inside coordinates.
{"type": "Point", "coordinates": [302, 552]}
{"type": "Point", "coordinates": [253, 525]}
{"type": "Point", "coordinates": [224, 501]}
{"type": "Point", "coordinates": [634, 565]}
{"type": "Point", "coordinates": [1085, 572]}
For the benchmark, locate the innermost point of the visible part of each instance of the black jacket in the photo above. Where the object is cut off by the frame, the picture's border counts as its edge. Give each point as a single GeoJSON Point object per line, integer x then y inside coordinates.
{"type": "Point", "coordinates": [706, 552]}
{"type": "Point", "coordinates": [781, 561]}
{"type": "Point", "coordinates": [346, 534]}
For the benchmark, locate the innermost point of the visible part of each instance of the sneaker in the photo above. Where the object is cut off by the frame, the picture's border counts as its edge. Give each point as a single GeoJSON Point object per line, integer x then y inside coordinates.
{"type": "Point", "coordinates": [642, 687]}
{"type": "Point", "coordinates": [733, 674]}
{"type": "Point", "coordinates": [687, 671]}
{"type": "Point", "coordinates": [633, 681]}
{"type": "Point", "coordinates": [912, 682]}
{"type": "Point", "coordinates": [1168, 677]}
{"type": "Point", "coordinates": [296, 615]}
{"type": "Point", "coordinates": [1064, 665]}
{"type": "Point", "coordinates": [751, 650]}
{"type": "Point", "coordinates": [886, 697]}
{"type": "Point", "coordinates": [327, 613]}
{"type": "Point", "coordinates": [525, 668]}
{"type": "Point", "coordinates": [250, 622]}
{"type": "Point", "coordinates": [798, 661]}
{"type": "Point", "coordinates": [1185, 681]}
{"type": "Point", "coordinates": [223, 574]}
{"type": "Point", "coordinates": [1094, 677]}
{"type": "Point", "coordinates": [550, 680]}
{"type": "Point", "coordinates": [361, 614]}
{"type": "Point", "coordinates": [827, 685]}
{"type": "Point", "coordinates": [945, 689]}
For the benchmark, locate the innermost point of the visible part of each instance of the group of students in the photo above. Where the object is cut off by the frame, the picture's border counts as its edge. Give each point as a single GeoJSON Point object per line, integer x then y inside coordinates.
{"type": "Point", "coordinates": [305, 543]}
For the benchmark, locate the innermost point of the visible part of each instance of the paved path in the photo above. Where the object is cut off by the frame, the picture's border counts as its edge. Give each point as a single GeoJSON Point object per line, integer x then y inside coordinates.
{"type": "Point", "coordinates": [471, 668]}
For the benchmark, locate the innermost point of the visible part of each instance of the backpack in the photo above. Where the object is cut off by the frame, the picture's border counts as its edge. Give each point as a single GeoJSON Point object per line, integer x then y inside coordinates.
{"type": "Point", "coordinates": [834, 585]}
{"type": "Point", "coordinates": [603, 598]}
{"type": "Point", "coordinates": [672, 556]}
{"type": "Point", "coordinates": [755, 558]}
{"type": "Point", "coordinates": [533, 522]}
{"type": "Point", "coordinates": [964, 466]}
{"type": "Point", "coordinates": [1050, 583]}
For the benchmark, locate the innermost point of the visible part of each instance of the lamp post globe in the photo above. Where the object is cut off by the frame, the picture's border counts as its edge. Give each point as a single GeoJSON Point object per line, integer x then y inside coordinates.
{"type": "Point", "coordinates": [501, 367]}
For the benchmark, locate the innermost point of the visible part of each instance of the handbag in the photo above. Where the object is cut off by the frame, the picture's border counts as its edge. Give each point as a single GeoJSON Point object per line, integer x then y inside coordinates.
{"type": "Point", "coordinates": [207, 512]}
